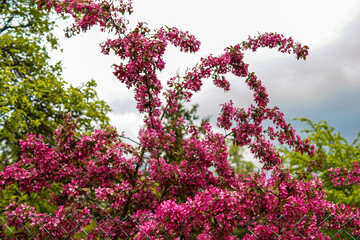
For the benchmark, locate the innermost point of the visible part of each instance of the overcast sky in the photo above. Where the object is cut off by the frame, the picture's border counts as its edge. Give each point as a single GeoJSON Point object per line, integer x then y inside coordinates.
{"type": "Point", "coordinates": [324, 87]}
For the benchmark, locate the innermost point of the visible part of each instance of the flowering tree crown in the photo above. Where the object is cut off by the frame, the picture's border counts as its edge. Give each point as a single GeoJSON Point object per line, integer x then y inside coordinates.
{"type": "Point", "coordinates": [162, 179]}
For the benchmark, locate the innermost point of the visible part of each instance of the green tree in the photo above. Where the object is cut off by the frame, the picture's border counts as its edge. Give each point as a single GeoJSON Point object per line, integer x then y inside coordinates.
{"type": "Point", "coordinates": [335, 151]}
{"type": "Point", "coordinates": [236, 158]}
{"type": "Point", "coordinates": [33, 96]}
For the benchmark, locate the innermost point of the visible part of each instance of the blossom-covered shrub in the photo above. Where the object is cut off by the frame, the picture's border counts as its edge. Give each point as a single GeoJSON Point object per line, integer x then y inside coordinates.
{"type": "Point", "coordinates": [101, 175]}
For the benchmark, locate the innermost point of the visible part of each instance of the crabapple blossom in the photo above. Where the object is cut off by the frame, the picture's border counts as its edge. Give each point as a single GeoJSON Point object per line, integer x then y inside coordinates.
{"type": "Point", "coordinates": [165, 186]}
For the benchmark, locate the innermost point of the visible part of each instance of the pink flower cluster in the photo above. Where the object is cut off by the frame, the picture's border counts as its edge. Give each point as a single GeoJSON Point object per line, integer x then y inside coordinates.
{"type": "Point", "coordinates": [342, 176]}
{"type": "Point", "coordinates": [272, 40]}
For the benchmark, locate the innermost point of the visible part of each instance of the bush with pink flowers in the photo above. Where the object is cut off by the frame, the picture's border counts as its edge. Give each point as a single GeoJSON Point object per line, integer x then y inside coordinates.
{"type": "Point", "coordinates": [167, 185]}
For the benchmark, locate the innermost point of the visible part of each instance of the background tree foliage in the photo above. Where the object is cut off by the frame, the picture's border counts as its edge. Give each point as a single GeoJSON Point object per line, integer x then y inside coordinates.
{"type": "Point", "coordinates": [33, 96]}
{"type": "Point", "coordinates": [336, 153]}
{"type": "Point", "coordinates": [236, 158]}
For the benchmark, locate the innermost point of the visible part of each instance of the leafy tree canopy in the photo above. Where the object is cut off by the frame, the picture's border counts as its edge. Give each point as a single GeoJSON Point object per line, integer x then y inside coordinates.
{"type": "Point", "coordinates": [33, 96]}
{"type": "Point", "coordinates": [236, 158]}
{"type": "Point", "coordinates": [22, 17]}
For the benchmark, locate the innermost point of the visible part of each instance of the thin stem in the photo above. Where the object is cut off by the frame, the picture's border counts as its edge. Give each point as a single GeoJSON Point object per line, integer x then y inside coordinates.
{"type": "Point", "coordinates": [130, 140]}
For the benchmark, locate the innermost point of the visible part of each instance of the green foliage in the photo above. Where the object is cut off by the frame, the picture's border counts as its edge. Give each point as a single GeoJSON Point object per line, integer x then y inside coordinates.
{"type": "Point", "coordinates": [33, 97]}
{"type": "Point", "coordinates": [40, 201]}
{"type": "Point", "coordinates": [171, 123]}
{"type": "Point", "coordinates": [335, 152]}
{"type": "Point", "coordinates": [21, 17]}
{"type": "Point", "coordinates": [236, 157]}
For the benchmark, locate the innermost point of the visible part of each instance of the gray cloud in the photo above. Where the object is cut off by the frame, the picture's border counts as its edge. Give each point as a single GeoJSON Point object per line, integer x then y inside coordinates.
{"type": "Point", "coordinates": [326, 86]}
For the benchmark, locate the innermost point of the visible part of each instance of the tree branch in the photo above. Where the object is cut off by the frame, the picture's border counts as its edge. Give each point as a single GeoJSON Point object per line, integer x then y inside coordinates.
{"type": "Point", "coordinates": [342, 174]}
